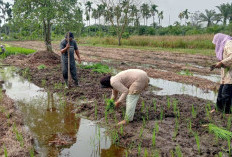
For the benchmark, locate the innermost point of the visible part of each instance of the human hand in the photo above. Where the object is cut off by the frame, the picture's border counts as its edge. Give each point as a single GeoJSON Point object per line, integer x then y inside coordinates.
{"type": "Point", "coordinates": [219, 65]}
{"type": "Point", "coordinates": [117, 104]}
{"type": "Point", "coordinates": [67, 46]}
{"type": "Point", "coordinates": [79, 61]}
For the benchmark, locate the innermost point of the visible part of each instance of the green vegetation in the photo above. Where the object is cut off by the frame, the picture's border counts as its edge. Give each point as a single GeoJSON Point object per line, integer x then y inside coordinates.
{"type": "Point", "coordinates": [98, 67]}
{"type": "Point", "coordinates": [110, 105]}
{"type": "Point", "coordinates": [220, 132]}
{"type": "Point", "coordinates": [185, 72]}
{"type": "Point", "coordinates": [42, 66]}
{"type": "Point", "coordinates": [15, 51]}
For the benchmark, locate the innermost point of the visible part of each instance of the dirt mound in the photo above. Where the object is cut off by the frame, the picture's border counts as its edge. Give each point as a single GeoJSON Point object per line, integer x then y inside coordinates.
{"type": "Point", "coordinates": [46, 57]}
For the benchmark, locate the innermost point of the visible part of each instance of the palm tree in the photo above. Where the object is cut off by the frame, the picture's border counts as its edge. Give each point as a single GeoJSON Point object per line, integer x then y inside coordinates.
{"type": "Point", "coordinates": [133, 12]}
{"type": "Point", "coordinates": [95, 15]}
{"type": "Point", "coordinates": [186, 14]}
{"type": "Point", "coordinates": [160, 16]}
{"type": "Point", "coordinates": [145, 12]}
{"type": "Point", "coordinates": [153, 10]}
{"type": "Point", "coordinates": [208, 17]}
{"type": "Point", "coordinates": [230, 13]}
{"type": "Point", "coordinates": [181, 16]}
{"type": "Point", "coordinates": [100, 10]}
{"type": "Point", "coordinates": [224, 12]}
{"type": "Point", "coordinates": [88, 6]}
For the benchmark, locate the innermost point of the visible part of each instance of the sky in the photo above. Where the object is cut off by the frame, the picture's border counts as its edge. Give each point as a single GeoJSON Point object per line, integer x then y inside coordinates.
{"type": "Point", "coordinates": [172, 8]}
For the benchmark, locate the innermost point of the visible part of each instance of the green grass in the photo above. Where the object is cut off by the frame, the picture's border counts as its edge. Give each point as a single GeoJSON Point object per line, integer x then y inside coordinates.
{"type": "Point", "coordinates": [98, 67]}
{"type": "Point", "coordinates": [110, 105]}
{"type": "Point", "coordinates": [42, 66]}
{"type": "Point", "coordinates": [15, 51]}
{"type": "Point", "coordinates": [220, 132]}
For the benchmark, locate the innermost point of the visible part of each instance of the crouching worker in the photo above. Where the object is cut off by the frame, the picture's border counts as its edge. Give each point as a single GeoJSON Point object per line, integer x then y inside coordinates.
{"type": "Point", "coordinates": [130, 83]}
{"type": "Point", "coordinates": [223, 48]}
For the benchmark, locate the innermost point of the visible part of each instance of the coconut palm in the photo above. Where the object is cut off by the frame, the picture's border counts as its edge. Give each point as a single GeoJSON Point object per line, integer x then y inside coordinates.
{"type": "Point", "coordinates": [181, 16]}
{"type": "Point", "coordinates": [160, 16]}
{"type": "Point", "coordinates": [153, 11]}
{"type": "Point", "coordinates": [208, 17]}
{"type": "Point", "coordinates": [224, 12]}
{"type": "Point", "coordinates": [133, 12]}
{"type": "Point", "coordinates": [100, 11]}
{"type": "Point", "coordinates": [186, 14]}
{"type": "Point", "coordinates": [145, 12]}
{"type": "Point", "coordinates": [88, 6]}
{"type": "Point", "coordinates": [95, 15]}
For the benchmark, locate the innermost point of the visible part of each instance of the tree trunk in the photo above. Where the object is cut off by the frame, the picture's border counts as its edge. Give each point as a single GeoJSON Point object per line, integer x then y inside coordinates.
{"type": "Point", "coordinates": [47, 35]}
{"type": "Point", "coordinates": [119, 40]}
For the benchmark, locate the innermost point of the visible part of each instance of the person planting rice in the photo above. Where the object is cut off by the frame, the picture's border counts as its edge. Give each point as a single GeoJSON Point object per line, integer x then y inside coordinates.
{"type": "Point", "coordinates": [130, 83]}
{"type": "Point", "coordinates": [223, 51]}
{"type": "Point", "coordinates": [65, 47]}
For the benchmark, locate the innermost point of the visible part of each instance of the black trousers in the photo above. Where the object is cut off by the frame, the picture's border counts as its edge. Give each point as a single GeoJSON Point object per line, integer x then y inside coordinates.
{"type": "Point", "coordinates": [224, 98]}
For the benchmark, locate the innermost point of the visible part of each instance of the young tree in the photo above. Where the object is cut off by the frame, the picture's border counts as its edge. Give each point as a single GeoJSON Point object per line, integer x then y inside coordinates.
{"type": "Point", "coordinates": [208, 17]}
{"type": "Point", "coordinates": [46, 12]}
{"type": "Point", "coordinates": [117, 14]}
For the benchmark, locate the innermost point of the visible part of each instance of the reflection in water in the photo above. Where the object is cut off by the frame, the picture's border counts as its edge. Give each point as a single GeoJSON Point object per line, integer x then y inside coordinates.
{"type": "Point", "coordinates": [57, 130]}
{"type": "Point", "coordinates": [171, 88]}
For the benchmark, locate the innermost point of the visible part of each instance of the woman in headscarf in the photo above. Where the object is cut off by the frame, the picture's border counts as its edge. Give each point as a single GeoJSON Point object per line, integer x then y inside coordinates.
{"type": "Point", "coordinates": [223, 49]}
{"type": "Point", "coordinates": [130, 83]}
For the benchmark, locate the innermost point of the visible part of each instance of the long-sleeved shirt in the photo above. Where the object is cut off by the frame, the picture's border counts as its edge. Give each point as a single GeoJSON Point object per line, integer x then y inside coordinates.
{"type": "Point", "coordinates": [132, 81]}
{"type": "Point", "coordinates": [226, 72]}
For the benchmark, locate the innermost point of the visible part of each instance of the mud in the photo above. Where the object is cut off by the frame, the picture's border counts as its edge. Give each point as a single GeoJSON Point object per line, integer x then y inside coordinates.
{"type": "Point", "coordinates": [164, 65]}
{"type": "Point", "coordinates": [139, 133]}
{"type": "Point", "coordinates": [11, 124]}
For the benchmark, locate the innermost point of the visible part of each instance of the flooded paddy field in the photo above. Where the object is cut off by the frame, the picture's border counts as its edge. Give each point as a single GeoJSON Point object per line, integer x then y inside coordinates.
{"type": "Point", "coordinates": [172, 116]}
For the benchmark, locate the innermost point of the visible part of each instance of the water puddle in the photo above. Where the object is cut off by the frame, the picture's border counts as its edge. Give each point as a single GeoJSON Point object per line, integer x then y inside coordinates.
{"type": "Point", "coordinates": [51, 120]}
{"type": "Point", "coordinates": [171, 88]}
{"type": "Point", "coordinates": [213, 77]}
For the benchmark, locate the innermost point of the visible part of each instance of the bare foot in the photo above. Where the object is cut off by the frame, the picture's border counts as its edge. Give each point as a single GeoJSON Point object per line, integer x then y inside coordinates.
{"type": "Point", "coordinates": [212, 111]}
{"type": "Point", "coordinates": [122, 122]}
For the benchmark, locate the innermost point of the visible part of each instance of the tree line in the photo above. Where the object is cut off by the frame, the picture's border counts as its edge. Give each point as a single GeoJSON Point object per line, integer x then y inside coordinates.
{"type": "Point", "coordinates": [47, 19]}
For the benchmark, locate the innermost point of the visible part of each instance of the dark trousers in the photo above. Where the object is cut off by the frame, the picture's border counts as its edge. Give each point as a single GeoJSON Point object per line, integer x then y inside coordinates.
{"type": "Point", "coordinates": [73, 69]}
{"type": "Point", "coordinates": [224, 98]}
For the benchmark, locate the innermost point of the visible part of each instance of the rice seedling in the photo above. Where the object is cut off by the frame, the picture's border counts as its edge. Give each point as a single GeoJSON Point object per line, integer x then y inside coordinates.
{"type": "Point", "coordinates": [194, 114]}
{"type": "Point", "coordinates": [161, 114]}
{"type": "Point", "coordinates": [139, 149]}
{"type": "Point", "coordinates": [175, 105]}
{"type": "Point", "coordinates": [99, 68]}
{"type": "Point", "coordinates": [172, 153]}
{"type": "Point", "coordinates": [176, 128]}
{"type": "Point", "coordinates": [178, 151]}
{"type": "Point", "coordinates": [157, 127]}
{"type": "Point", "coordinates": [197, 142]}
{"type": "Point", "coordinates": [156, 153]}
{"type": "Point", "coordinates": [19, 137]}
{"type": "Point", "coordinates": [220, 132]}
{"type": "Point", "coordinates": [144, 121]}
{"type": "Point", "coordinates": [229, 123]}
{"type": "Point", "coordinates": [168, 103]}
{"type": "Point", "coordinates": [207, 111]}
{"type": "Point", "coordinates": [43, 83]}
{"type": "Point", "coordinates": [143, 106]}
{"type": "Point", "coordinates": [5, 151]}
{"type": "Point", "coordinates": [190, 126]}
{"type": "Point", "coordinates": [220, 154]}
{"type": "Point", "coordinates": [32, 152]}
{"type": "Point", "coordinates": [147, 113]}
{"type": "Point", "coordinates": [145, 153]}
{"type": "Point", "coordinates": [154, 105]}
{"type": "Point", "coordinates": [126, 153]}
{"type": "Point", "coordinates": [154, 137]}
{"type": "Point", "coordinates": [229, 146]}
{"type": "Point", "coordinates": [110, 105]}
{"type": "Point", "coordinates": [121, 129]}
{"type": "Point", "coordinates": [115, 137]}
{"type": "Point", "coordinates": [42, 66]}
{"type": "Point", "coordinates": [106, 116]}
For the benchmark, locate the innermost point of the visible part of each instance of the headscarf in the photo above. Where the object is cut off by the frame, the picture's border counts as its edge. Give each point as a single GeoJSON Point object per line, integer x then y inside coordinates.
{"type": "Point", "coordinates": [220, 41]}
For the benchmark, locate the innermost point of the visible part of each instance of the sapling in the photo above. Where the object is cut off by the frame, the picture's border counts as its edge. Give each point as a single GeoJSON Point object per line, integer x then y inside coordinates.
{"type": "Point", "coordinates": [5, 151]}
{"type": "Point", "coordinates": [139, 149]}
{"type": "Point", "coordinates": [143, 106]}
{"type": "Point", "coordinates": [161, 114]}
{"type": "Point", "coordinates": [197, 142]}
{"type": "Point", "coordinates": [169, 103]}
{"type": "Point", "coordinates": [153, 137]}
{"type": "Point", "coordinates": [178, 151]}
{"type": "Point", "coordinates": [144, 121]}
{"type": "Point", "coordinates": [194, 114]}
{"type": "Point", "coordinates": [145, 153]}
{"type": "Point", "coordinates": [154, 105]}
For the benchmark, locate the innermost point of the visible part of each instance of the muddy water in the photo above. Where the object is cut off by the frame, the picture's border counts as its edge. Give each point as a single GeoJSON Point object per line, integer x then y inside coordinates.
{"type": "Point", "coordinates": [171, 88]}
{"type": "Point", "coordinates": [56, 128]}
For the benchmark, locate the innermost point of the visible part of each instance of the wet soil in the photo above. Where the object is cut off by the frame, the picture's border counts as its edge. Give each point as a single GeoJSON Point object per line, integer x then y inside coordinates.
{"type": "Point", "coordinates": [11, 125]}
{"type": "Point", "coordinates": [164, 65]}
{"type": "Point", "coordinates": [138, 133]}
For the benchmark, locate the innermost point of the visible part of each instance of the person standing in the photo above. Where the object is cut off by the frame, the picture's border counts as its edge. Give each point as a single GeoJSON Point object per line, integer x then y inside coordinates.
{"type": "Point", "coordinates": [130, 83]}
{"type": "Point", "coordinates": [223, 49]}
{"type": "Point", "coordinates": [70, 47]}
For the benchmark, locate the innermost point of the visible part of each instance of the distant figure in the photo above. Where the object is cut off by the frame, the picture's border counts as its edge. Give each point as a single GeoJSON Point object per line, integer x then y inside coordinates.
{"type": "Point", "coordinates": [72, 46]}
{"type": "Point", "coordinates": [130, 83]}
{"type": "Point", "coordinates": [1, 38]}
{"type": "Point", "coordinates": [223, 51]}
{"type": "Point", "coordinates": [3, 50]}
